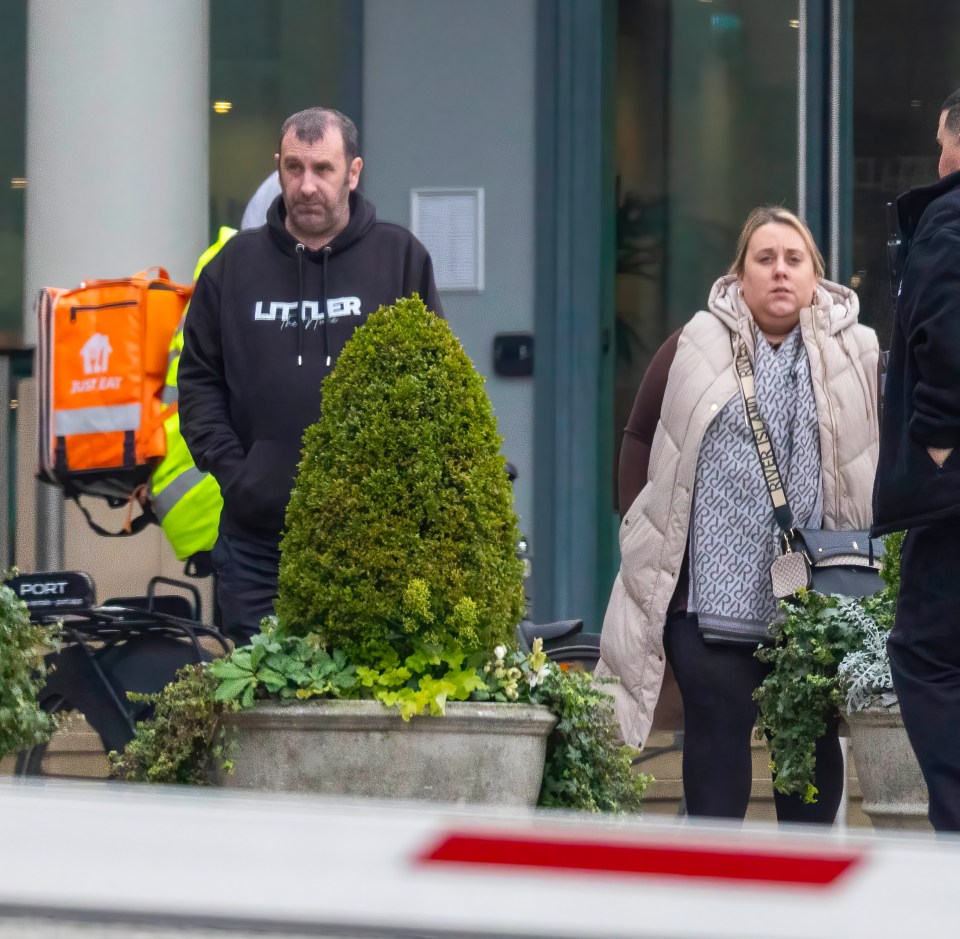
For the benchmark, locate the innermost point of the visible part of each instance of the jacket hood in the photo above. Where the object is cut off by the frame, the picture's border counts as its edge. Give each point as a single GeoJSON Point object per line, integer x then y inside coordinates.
{"type": "Point", "coordinates": [362, 218]}
{"type": "Point", "coordinates": [836, 306]}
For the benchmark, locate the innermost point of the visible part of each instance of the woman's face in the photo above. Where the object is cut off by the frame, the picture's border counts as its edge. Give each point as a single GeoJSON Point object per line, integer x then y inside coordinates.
{"type": "Point", "coordinates": [778, 278]}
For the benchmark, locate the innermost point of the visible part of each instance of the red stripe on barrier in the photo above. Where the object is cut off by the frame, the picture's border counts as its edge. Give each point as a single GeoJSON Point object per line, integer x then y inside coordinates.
{"type": "Point", "coordinates": [808, 870]}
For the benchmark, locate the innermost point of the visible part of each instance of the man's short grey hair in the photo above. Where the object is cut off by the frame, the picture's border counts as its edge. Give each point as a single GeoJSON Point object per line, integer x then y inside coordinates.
{"type": "Point", "coordinates": [952, 107]}
{"type": "Point", "coordinates": [312, 124]}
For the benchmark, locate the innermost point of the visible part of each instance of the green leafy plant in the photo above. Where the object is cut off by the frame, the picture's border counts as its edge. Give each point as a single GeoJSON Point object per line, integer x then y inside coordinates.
{"type": "Point", "coordinates": [424, 681]}
{"type": "Point", "coordinates": [178, 743]}
{"type": "Point", "coordinates": [828, 651]}
{"type": "Point", "coordinates": [587, 767]}
{"type": "Point", "coordinates": [279, 665]}
{"type": "Point", "coordinates": [400, 532]}
{"type": "Point", "coordinates": [23, 671]}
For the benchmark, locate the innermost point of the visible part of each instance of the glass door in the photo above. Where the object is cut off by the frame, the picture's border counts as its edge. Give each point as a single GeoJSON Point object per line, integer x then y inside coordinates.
{"type": "Point", "coordinates": [706, 129]}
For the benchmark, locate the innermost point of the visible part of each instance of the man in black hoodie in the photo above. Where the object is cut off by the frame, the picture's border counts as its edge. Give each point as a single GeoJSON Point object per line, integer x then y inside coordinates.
{"type": "Point", "coordinates": [918, 477]}
{"type": "Point", "coordinates": [268, 318]}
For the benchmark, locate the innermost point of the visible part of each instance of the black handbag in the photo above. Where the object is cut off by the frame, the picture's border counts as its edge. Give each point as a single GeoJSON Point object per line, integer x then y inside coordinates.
{"type": "Point", "coordinates": [844, 562]}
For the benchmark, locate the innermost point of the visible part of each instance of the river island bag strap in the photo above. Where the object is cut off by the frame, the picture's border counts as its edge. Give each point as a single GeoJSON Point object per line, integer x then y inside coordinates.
{"type": "Point", "coordinates": [845, 562]}
{"type": "Point", "coordinates": [790, 571]}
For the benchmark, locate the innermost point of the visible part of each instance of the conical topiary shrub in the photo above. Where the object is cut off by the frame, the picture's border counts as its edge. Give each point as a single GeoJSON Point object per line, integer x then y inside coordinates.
{"type": "Point", "coordinates": [400, 532]}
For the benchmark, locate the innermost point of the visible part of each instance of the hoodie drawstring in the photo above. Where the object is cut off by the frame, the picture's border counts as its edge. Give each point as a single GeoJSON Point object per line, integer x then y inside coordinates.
{"type": "Point", "coordinates": [301, 326]}
{"type": "Point", "coordinates": [323, 300]}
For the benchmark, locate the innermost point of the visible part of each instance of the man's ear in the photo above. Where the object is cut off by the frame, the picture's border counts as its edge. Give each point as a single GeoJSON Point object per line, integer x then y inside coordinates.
{"type": "Point", "coordinates": [276, 161]}
{"type": "Point", "coordinates": [356, 164]}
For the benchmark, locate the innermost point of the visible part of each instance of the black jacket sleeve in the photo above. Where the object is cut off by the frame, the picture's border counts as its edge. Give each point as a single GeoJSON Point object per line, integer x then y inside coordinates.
{"type": "Point", "coordinates": [202, 388]}
{"type": "Point", "coordinates": [933, 335]}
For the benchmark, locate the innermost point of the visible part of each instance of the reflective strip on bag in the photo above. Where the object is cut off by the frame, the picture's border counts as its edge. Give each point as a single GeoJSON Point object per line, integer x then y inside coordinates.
{"type": "Point", "coordinates": [175, 490]}
{"type": "Point", "coordinates": [99, 420]}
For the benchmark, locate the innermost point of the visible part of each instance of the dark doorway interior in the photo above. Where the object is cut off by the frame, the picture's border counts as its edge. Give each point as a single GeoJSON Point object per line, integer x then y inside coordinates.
{"type": "Point", "coordinates": [706, 129]}
{"type": "Point", "coordinates": [906, 60]}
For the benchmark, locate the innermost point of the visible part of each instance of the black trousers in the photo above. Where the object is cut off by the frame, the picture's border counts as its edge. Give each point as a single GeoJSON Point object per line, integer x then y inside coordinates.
{"type": "Point", "coordinates": [924, 648]}
{"type": "Point", "coordinates": [716, 684]}
{"type": "Point", "coordinates": [246, 584]}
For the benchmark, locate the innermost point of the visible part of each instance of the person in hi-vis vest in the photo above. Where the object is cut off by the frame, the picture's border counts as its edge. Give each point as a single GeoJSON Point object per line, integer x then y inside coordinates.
{"type": "Point", "coordinates": [186, 500]}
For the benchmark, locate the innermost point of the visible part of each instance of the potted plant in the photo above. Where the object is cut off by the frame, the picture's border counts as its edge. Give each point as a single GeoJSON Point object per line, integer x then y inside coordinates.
{"type": "Point", "coordinates": [399, 592]}
{"type": "Point", "coordinates": [894, 792]}
{"type": "Point", "coordinates": [830, 655]}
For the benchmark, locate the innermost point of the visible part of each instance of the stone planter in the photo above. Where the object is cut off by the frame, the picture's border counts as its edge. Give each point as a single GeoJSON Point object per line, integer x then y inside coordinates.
{"type": "Point", "coordinates": [477, 753]}
{"type": "Point", "coordinates": [894, 793]}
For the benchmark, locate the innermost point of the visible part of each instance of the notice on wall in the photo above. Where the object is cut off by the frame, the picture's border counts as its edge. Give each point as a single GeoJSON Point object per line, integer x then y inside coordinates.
{"type": "Point", "coordinates": [449, 223]}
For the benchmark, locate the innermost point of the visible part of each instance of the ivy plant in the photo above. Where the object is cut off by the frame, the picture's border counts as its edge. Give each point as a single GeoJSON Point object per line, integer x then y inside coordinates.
{"type": "Point", "coordinates": [23, 671]}
{"type": "Point", "coordinates": [801, 691]}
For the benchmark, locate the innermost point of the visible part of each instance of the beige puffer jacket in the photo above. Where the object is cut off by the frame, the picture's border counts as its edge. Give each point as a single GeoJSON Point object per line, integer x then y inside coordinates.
{"type": "Point", "coordinates": [653, 535]}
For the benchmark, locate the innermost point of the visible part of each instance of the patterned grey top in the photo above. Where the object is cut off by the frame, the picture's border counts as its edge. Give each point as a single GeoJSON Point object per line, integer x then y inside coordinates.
{"type": "Point", "coordinates": [733, 535]}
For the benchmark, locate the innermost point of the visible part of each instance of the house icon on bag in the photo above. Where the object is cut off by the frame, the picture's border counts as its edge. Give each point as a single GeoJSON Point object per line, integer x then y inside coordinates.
{"type": "Point", "coordinates": [96, 354]}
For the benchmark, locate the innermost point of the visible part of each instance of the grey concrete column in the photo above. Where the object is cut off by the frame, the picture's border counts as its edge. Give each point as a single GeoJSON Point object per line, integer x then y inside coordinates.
{"type": "Point", "coordinates": [117, 154]}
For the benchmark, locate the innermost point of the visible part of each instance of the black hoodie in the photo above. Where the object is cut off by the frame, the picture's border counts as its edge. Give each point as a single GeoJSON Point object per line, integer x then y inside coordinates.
{"type": "Point", "coordinates": [250, 372]}
{"type": "Point", "coordinates": [921, 402]}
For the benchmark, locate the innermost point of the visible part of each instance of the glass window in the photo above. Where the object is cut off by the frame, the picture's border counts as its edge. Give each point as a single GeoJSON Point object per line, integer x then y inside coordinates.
{"type": "Point", "coordinates": [905, 58]}
{"type": "Point", "coordinates": [269, 59]}
{"type": "Point", "coordinates": [706, 130]}
{"type": "Point", "coordinates": [13, 80]}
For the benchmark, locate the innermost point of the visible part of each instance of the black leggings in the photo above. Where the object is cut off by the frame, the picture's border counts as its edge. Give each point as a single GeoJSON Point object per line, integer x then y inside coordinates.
{"type": "Point", "coordinates": [716, 683]}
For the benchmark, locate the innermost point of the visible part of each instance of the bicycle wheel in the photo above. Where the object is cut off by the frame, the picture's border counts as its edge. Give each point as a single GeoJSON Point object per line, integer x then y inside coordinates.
{"type": "Point", "coordinates": [75, 751]}
{"type": "Point", "coordinates": [580, 655]}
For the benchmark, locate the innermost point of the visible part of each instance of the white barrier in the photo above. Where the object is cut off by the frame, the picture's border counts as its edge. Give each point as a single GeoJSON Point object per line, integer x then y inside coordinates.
{"type": "Point", "coordinates": [200, 859]}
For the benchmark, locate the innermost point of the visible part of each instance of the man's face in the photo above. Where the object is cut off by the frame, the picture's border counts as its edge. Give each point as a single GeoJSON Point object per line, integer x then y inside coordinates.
{"type": "Point", "coordinates": [949, 142]}
{"type": "Point", "coordinates": [316, 183]}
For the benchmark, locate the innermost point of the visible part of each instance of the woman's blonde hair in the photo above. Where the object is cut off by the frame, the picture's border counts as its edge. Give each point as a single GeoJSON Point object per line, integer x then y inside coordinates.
{"type": "Point", "coordinates": [764, 215]}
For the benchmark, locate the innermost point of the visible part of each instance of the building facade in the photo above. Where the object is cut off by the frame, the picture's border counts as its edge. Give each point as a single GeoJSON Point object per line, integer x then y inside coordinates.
{"type": "Point", "coordinates": [595, 157]}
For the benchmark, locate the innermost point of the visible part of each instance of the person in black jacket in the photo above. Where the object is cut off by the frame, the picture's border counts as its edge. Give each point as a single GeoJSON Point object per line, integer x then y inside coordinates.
{"type": "Point", "coordinates": [268, 318]}
{"type": "Point", "coordinates": [918, 478]}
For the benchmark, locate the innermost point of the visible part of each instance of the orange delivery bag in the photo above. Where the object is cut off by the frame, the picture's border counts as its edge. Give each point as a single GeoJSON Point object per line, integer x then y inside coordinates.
{"type": "Point", "coordinates": [101, 366]}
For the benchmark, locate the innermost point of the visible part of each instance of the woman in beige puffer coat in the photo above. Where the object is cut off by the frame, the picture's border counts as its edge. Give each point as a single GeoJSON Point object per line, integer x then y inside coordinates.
{"type": "Point", "coordinates": [698, 535]}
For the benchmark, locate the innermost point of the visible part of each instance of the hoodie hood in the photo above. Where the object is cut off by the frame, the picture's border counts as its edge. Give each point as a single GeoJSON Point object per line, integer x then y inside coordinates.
{"type": "Point", "coordinates": [836, 308]}
{"type": "Point", "coordinates": [362, 219]}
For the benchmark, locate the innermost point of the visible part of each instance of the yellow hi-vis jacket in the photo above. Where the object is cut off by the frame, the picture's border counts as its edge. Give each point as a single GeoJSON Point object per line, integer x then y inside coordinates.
{"type": "Point", "coordinates": [186, 500]}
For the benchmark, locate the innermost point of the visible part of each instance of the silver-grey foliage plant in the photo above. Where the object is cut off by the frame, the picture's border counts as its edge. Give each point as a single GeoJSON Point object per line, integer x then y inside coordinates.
{"type": "Point", "coordinates": [864, 674]}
